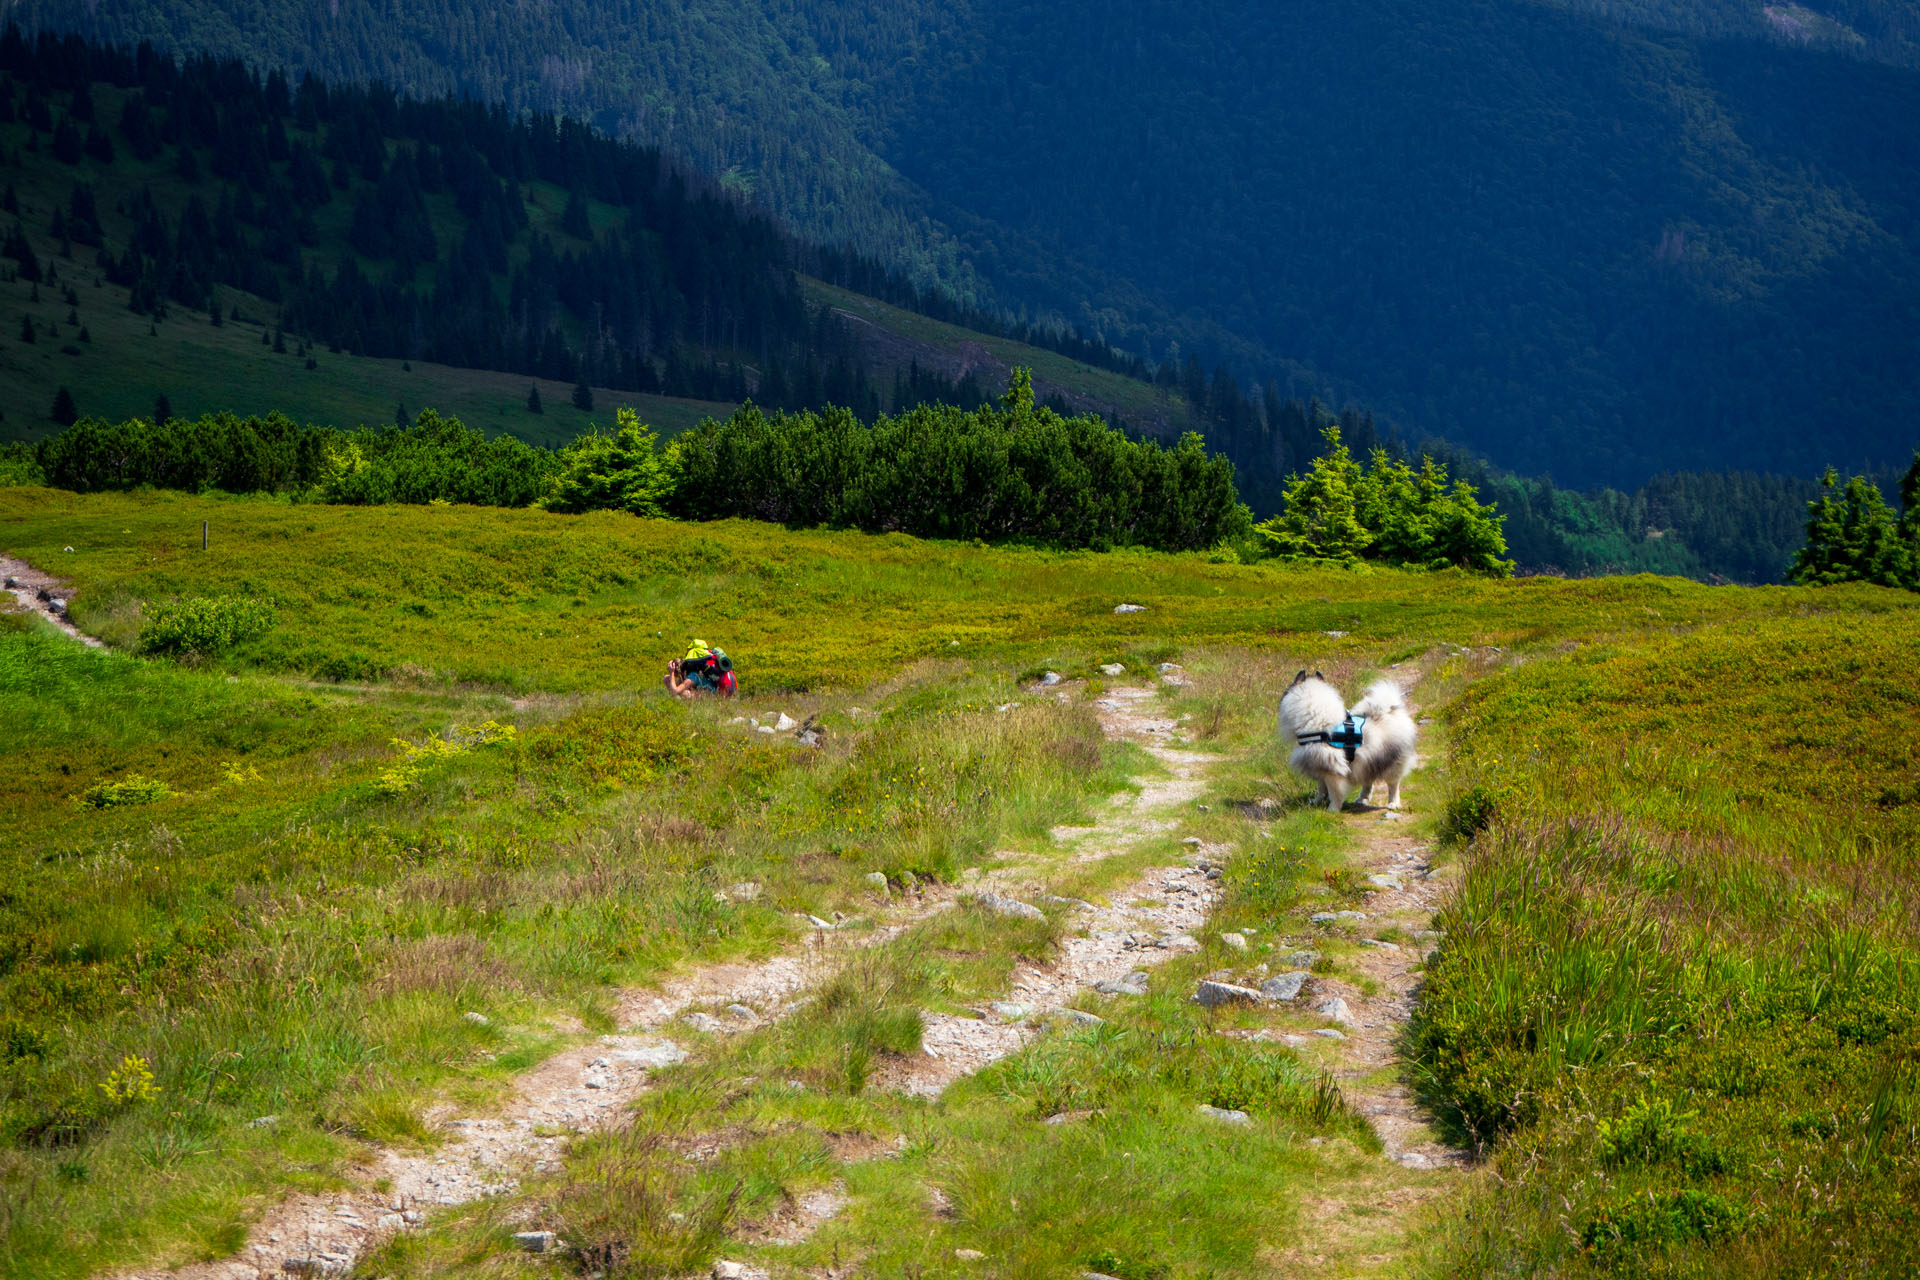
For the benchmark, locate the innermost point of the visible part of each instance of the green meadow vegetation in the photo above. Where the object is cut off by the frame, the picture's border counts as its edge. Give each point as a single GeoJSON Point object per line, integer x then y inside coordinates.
{"type": "Point", "coordinates": [1674, 1011]}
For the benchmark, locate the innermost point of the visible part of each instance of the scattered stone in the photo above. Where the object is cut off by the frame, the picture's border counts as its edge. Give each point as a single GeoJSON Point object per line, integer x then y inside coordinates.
{"type": "Point", "coordinates": [1329, 1033]}
{"type": "Point", "coordinates": [784, 723]}
{"type": "Point", "coordinates": [534, 1241]}
{"type": "Point", "coordinates": [263, 1122]}
{"type": "Point", "coordinates": [1050, 678]}
{"type": "Point", "coordinates": [1336, 635]}
{"type": "Point", "coordinates": [1375, 942]}
{"type": "Point", "coordinates": [1192, 842]}
{"type": "Point", "coordinates": [1301, 959]}
{"type": "Point", "coordinates": [1284, 987]}
{"type": "Point", "coordinates": [412, 1217]}
{"type": "Point", "coordinates": [477, 1019]}
{"type": "Point", "coordinates": [877, 880]}
{"type": "Point", "coordinates": [1054, 900]}
{"type": "Point", "coordinates": [1323, 917]}
{"type": "Point", "coordinates": [738, 720]}
{"type": "Point", "coordinates": [969, 1255]}
{"type": "Point", "coordinates": [1005, 707]}
{"type": "Point", "coordinates": [1009, 907]}
{"type": "Point", "coordinates": [1113, 668]}
{"type": "Point", "coordinates": [1097, 1275]}
{"type": "Point", "coordinates": [1223, 1115]}
{"type": "Point", "coordinates": [809, 738]}
{"type": "Point", "coordinates": [56, 605]}
{"type": "Point", "coordinates": [724, 1270]}
{"type": "Point", "coordinates": [12, 582]}
{"type": "Point", "coordinates": [705, 1022]}
{"type": "Point", "coordinates": [764, 728]}
{"type": "Point", "coordinates": [745, 891]}
{"type": "Point", "coordinates": [1081, 1018]}
{"type": "Point", "coordinates": [390, 1222]}
{"type": "Point", "coordinates": [1335, 1010]}
{"type": "Point", "coordinates": [818, 923]}
{"type": "Point", "coordinates": [313, 1267]}
{"type": "Point", "coordinates": [1134, 984]}
{"type": "Point", "coordinates": [1129, 608]}
{"type": "Point", "coordinates": [742, 1013]}
{"type": "Point", "coordinates": [1008, 1011]}
{"type": "Point", "coordinates": [1180, 942]}
{"type": "Point", "coordinates": [1386, 881]}
{"type": "Point", "coordinates": [1234, 941]}
{"type": "Point", "coordinates": [1166, 667]}
{"type": "Point", "coordinates": [1212, 995]}
{"type": "Point", "coordinates": [1413, 1160]}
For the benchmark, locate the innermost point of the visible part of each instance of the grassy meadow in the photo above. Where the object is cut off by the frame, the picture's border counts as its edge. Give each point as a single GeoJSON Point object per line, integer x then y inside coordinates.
{"type": "Point", "coordinates": [1675, 1008]}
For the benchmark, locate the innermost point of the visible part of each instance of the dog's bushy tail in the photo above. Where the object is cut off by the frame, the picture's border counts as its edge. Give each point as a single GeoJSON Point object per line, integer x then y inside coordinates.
{"type": "Point", "coordinates": [1383, 697]}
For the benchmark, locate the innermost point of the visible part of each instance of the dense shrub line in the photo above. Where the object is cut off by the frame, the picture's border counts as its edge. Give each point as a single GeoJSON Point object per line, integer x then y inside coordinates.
{"type": "Point", "coordinates": [1003, 472]}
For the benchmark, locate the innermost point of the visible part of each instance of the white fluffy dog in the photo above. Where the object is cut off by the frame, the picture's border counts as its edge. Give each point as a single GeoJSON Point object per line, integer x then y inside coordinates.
{"type": "Point", "coordinates": [1316, 721]}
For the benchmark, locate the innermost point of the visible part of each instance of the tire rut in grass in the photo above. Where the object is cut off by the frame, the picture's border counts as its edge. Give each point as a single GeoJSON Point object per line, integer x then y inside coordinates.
{"type": "Point", "coordinates": [578, 1090]}
{"type": "Point", "coordinates": [1152, 918]}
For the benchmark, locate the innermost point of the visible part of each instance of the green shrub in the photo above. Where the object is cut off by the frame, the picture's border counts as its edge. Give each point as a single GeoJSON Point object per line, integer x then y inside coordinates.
{"type": "Point", "coordinates": [1468, 814]}
{"type": "Point", "coordinates": [1673, 1217]}
{"type": "Point", "coordinates": [204, 625]}
{"type": "Point", "coordinates": [132, 789]}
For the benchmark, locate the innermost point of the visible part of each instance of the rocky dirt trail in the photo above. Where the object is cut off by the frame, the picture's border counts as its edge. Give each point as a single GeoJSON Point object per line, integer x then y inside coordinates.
{"type": "Point", "coordinates": [581, 1089]}
{"type": "Point", "coordinates": [1150, 919]}
{"type": "Point", "coordinates": [43, 594]}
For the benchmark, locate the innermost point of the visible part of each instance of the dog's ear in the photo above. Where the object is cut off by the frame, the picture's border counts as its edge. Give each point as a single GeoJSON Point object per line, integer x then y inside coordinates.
{"type": "Point", "coordinates": [1318, 676]}
{"type": "Point", "coordinates": [1297, 679]}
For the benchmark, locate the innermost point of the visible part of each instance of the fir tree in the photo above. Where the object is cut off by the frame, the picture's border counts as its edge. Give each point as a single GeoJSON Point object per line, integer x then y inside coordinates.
{"type": "Point", "coordinates": [1320, 520]}
{"type": "Point", "coordinates": [1852, 536]}
{"type": "Point", "coordinates": [583, 395]}
{"type": "Point", "coordinates": [63, 411]}
{"type": "Point", "coordinates": [27, 333]}
{"type": "Point", "coordinates": [162, 410]}
{"type": "Point", "coordinates": [533, 399]}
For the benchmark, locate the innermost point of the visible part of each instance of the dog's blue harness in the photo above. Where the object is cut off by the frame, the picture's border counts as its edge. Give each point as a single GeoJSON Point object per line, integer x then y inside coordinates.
{"type": "Point", "coordinates": [1344, 737]}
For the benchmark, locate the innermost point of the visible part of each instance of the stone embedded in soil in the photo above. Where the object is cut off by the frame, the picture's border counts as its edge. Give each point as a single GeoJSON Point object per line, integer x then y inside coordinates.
{"type": "Point", "coordinates": [1335, 1010]}
{"type": "Point", "coordinates": [1129, 608]}
{"type": "Point", "coordinates": [1301, 959]}
{"type": "Point", "coordinates": [784, 723]}
{"type": "Point", "coordinates": [1284, 987]}
{"type": "Point", "coordinates": [1385, 881]}
{"type": "Point", "coordinates": [742, 1013]}
{"type": "Point", "coordinates": [1223, 1115]}
{"type": "Point", "coordinates": [706, 1022]}
{"type": "Point", "coordinates": [1114, 669]}
{"type": "Point", "coordinates": [1081, 1018]}
{"type": "Point", "coordinates": [1213, 995]}
{"type": "Point", "coordinates": [877, 880]}
{"type": "Point", "coordinates": [534, 1241]}
{"type": "Point", "coordinates": [745, 891]}
{"type": "Point", "coordinates": [1051, 678]}
{"type": "Point", "coordinates": [969, 1255]}
{"type": "Point", "coordinates": [1375, 942]}
{"type": "Point", "coordinates": [1009, 907]}
{"type": "Point", "coordinates": [477, 1019]}
{"type": "Point", "coordinates": [1329, 1033]}
{"type": "Point", "coordinates": [1010, 1011]}
{"type": "Point", "coordinates": [1236, 941]}
{"type": "Point", "coordinates": [1180, 942]}
{"type": "Point", "coordinates": [1134, 984]}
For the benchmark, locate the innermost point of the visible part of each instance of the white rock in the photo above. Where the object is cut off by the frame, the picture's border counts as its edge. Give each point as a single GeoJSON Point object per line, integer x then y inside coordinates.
{"type": "Point", "coordinates": [1009, 907]}
{"type": "Point", "coordinates": [1213, 995]}
{"type": "Point", "coordinates": [745, 891]}
{"type": "Point", "coordinates": [477, 1019]}
{"type": "Point", "coordinates": [1081, 1018]}
{"type": "Point", "coordinates": [785, 723]}
{"type": "Point", "coordinates": [534, 1241]}
{"type": "Point", "coordinates": [1337, 635]}
{"type": "Point", "coordinates": [1223, 1115]}
{"type": "Point", "coordinates": [705, 1022]}
{"type": "Point", "coordinates": [390, 1222]}
{"type": "Point", "coordinates": [1051, 678]}
{"type": "Point", "coordinates": [1114, 668]}
{"type": "Point", "coordinates": [1284, 987]}
{"type": "Point", "coordinates": [1335, 1010]}
{"type": "Point", "coordinates": [1180, 942]}
{"type": "Point", "coordinates": [1134, 984]}
{"type": "Point", "coordinates": [1234, 941]}
{"type": "Point", "coordinates": [877, 880]}
{"type": "Point", "coordinates": [263, 1122]}
{"type": "Point", "coordinates": [1329, 1033]}
{"type": "Point", "coordinates": [1385, 881]}
{"type": "Point", "coordinates": [969, 1255]}
{"type": "Point", "coordinates": [1129, 608]}
{"type": "Point", "coordinates": [1009, 1011]}
{"type": "Point", "coordinates": [742, 1013]}
{"type": "Point", "coordinates": [764, 728]}
{"type": "Point", "coordinates": [818, 923]}
{"type": "Point", "coordinates": [1375, 942]}
{"type": "Point", "coordinates": [1165, 667]}
{"type": "Point", "coordinates": [724, 1270]}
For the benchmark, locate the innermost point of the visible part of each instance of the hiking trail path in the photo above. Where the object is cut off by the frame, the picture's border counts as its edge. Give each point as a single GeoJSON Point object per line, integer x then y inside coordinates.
{"type": "Point", "coordinates": [1155, 916]}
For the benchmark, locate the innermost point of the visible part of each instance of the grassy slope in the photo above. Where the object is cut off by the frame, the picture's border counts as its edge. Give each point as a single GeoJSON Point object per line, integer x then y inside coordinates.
{"type": "Point", "coordinates": [201, 368]}
{"type": "Point", "coordinates": [157, 930]}
{"type": "Point", "coordinates": [893, 337]}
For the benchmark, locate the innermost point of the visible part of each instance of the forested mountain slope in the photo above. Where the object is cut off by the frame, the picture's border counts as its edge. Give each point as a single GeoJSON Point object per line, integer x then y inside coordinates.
{"type": "Point", "coordinates": [1600, 238]}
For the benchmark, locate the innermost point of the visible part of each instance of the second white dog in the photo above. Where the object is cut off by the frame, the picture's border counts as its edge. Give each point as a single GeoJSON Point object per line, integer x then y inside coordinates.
{"type": "Point", "coordinates": [1314, 719]}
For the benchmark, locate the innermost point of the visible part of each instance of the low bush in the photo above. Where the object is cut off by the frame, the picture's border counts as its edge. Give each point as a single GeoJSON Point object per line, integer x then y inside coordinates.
{"type": "Point", "coordinates": [205, 625]}
{"type": "Point", "coordinates": [130, 790]}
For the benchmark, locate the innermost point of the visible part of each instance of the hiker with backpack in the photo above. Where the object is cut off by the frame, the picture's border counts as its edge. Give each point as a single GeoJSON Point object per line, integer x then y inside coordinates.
{"type": "Point", "coordinates": [705, 669]}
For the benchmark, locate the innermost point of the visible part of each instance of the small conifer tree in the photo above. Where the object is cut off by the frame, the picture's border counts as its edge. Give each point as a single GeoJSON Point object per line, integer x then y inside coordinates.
{"type": "Point", "coordinates": [64, 411]}
{"type": "Point", "coordinates": [533, 398]}
{"type": "Point", "coordinates": [583, 395]}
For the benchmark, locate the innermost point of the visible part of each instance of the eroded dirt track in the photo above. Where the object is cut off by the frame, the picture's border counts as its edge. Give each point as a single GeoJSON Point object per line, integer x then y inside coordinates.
{"type": "Point", "coordinates": [41, 594]}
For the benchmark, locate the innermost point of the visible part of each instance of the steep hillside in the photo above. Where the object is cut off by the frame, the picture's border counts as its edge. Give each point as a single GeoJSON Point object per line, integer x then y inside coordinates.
{"type": "Point", "coordinates": [1594, 237]}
